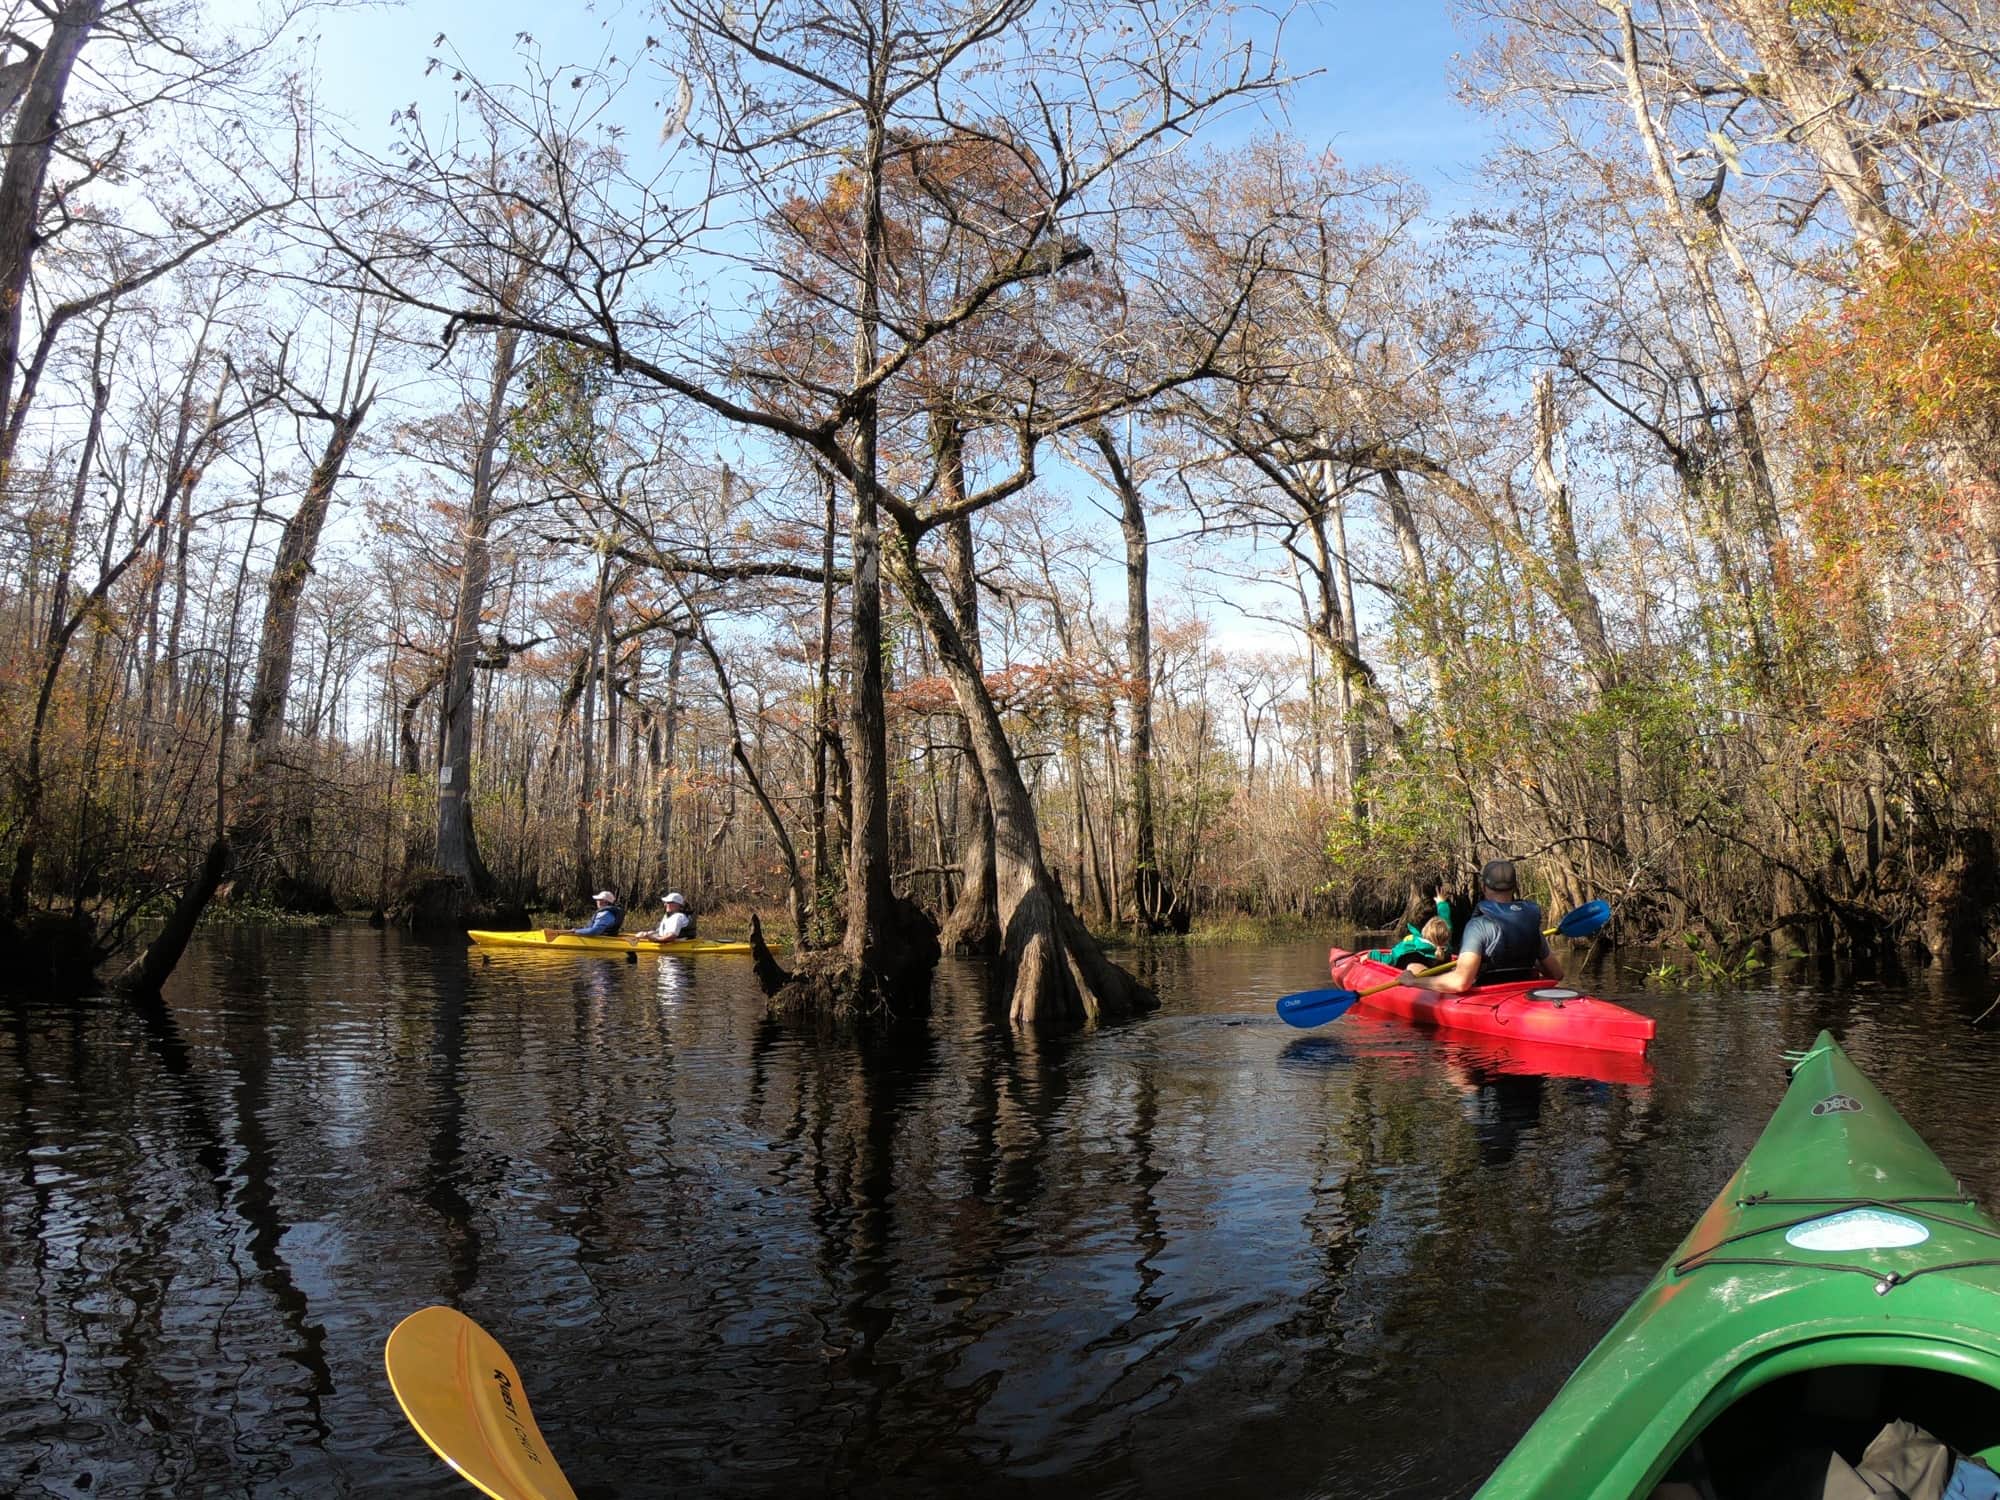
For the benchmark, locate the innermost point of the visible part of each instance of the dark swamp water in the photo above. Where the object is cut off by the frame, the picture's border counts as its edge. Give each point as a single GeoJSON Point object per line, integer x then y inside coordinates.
{"type": "Point", "coordinates": [1197, 1255]}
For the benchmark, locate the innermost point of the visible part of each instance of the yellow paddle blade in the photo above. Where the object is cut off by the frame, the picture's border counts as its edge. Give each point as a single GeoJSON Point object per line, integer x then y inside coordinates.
{"type": "Point", "coordinates": [463, 1395]}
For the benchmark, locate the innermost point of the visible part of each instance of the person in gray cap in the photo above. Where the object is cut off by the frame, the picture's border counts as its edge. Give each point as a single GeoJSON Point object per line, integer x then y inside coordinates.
{"type": "Point", "coordinates": [1502, 942]}
{"type": "Point", "coordinates": [677, 926]}
{"type": "Point", "coordinates": [604, 924]}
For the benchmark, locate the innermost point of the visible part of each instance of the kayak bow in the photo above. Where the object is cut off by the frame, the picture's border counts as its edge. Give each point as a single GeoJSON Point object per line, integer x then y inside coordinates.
{"type": "Point", "coordinates": [1841, 1279]}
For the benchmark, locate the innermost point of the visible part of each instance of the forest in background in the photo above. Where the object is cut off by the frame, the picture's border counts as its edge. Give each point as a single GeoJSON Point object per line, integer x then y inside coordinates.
{"type": "Point", "coordinates": [808, 454]}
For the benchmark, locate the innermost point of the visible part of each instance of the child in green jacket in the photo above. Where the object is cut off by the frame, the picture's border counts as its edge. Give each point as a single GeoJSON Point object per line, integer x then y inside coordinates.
{"type": "Point", "coordinates": [1425, 947]}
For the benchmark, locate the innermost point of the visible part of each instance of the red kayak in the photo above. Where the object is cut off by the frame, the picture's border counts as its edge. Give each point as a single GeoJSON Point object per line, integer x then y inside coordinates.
{"type": "Point", "coordinates": [1528, 1010]}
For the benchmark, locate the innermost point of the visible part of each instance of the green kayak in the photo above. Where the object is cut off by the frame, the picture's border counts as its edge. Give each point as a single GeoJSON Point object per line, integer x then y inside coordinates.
{"type": "Point", "coordinates": [1841, 1280]}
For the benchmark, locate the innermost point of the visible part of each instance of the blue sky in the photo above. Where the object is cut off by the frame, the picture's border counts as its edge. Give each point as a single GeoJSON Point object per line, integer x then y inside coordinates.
{"type": "Point", "coordinates": [1386, 95]}
{"type": "Point", "coordinates": [1383, 93]}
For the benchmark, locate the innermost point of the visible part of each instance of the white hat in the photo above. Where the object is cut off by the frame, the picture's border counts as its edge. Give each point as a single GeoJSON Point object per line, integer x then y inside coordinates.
{"type": "Point", "coordinates": [673, 898]}
{"type": "Point", "coordinates": [605, 896]}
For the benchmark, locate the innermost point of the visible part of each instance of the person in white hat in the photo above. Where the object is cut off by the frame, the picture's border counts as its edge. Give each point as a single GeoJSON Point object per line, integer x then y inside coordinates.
{"type": "Point", "coordinates": [677, 926]}
{"type": "Point", "coordinates": [604, 924]}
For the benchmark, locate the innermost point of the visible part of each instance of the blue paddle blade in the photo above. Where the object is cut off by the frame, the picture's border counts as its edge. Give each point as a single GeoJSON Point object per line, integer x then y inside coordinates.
{"type": "Point", "coordinates": [1585, 920]}
{"type": "Point", "coordinates": [1311, 1008]}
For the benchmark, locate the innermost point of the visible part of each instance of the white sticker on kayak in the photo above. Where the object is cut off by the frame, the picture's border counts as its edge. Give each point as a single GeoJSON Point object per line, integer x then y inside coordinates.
{"type": "Point", "coordinates": [1858, 1229]}
{"type": "Point", "coordinates": [1838, 1104]}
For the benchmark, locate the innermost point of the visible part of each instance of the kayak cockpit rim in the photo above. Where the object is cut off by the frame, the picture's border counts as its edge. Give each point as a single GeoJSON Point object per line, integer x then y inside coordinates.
{"type": "Point", "coordinates": [1837, 1354]}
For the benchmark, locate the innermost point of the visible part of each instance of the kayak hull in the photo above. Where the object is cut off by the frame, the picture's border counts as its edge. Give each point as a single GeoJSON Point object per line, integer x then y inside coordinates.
{"type": "Point", "coordinates": [569, 942]}
{"type": "Point", "coordinates": [1470, 1060]}
{"type": "Point", "coordinates": [1504, 1011]}
{"type": "Point", "coordinates": [1840, 1273]}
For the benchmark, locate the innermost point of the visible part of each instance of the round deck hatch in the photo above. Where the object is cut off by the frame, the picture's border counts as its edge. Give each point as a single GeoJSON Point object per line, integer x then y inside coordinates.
{"type": "Point", "coordinates": [1858, 1229]}
{"type": "Point", "coordinates": [1554, 992]}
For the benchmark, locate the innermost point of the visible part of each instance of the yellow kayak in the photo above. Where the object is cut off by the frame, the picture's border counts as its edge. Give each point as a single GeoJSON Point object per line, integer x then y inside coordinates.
{"type": "Point", "coordinates": [570, 942]}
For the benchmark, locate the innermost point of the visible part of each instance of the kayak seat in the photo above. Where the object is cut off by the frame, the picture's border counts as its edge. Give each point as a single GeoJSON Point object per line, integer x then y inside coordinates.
{"type": "Point", "coordinates": [1773, 1444]}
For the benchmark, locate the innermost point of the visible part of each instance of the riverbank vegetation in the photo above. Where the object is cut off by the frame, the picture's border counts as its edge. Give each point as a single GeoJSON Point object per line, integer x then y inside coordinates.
{"type": "Point", "coordinates": [973, 470]}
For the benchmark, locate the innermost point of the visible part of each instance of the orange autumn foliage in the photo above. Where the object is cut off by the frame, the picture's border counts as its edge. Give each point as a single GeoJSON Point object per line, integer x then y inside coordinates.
{"type": "Point", "coordinates": [1896, 420]}
{"type": "Point", "coordinates": [1897, 414]}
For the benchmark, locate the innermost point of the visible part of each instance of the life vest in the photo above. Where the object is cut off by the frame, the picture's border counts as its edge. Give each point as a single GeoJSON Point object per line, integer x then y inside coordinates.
{"type": "Point", "coordinates": [1515, 951]}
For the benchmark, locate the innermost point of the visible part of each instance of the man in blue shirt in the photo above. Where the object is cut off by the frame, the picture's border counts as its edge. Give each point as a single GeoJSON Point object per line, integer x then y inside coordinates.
{"type": "Point", "coordinates": [1502, 942]}
{"type": "Point", "coordinates": [604, 924]}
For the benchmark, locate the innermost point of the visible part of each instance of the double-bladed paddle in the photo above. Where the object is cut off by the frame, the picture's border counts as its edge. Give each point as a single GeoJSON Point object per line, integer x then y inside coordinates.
{"type": "Point", "coordinates": [463, 1395]}
{"type": "Point", "coordinates": [1311, 1008]}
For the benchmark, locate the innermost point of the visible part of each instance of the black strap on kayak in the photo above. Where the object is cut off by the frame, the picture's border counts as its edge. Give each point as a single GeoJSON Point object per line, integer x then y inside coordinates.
{"type": "Point", "coordinates": [1885, 1281]}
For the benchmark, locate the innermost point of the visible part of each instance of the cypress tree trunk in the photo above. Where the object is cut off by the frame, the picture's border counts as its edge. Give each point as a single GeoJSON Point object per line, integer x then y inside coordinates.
{"type": "Point", "coordinates": [664, 736]}
{"type": "Point", "coordinates": [870, 944]}
{"type": "Point", "coordinates": [146, 973]}
{"type": "Point", "coordinates": [973, 926]}
{"type": "Point", "coordinates": [250, 828]}
{"type": "Point", "coordinates": [823, 732]}
{"type": "Point", "coordinates": [1057, 974]}
{"type": "Point", "coordinates": [55, 647]}
{"type": "Point", "coordinates": [457, 845]}
{"type": "Point", "coordinates": [583, 881]}
{"type": "Point", "coordinates": [37, 127]}
{"type": "Point", "coordinates": [1150, 901]}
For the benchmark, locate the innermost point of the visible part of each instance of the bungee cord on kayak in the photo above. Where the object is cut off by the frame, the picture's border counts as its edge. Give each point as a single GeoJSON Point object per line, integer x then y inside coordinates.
{"type": "Point", "coordinates": [1885, 1281]}
{"type": "Point", "coordinates": [1832, 1208]}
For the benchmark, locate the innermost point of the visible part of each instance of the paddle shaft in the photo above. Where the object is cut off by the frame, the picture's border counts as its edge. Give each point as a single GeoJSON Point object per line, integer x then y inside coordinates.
{"type": "Point", "coordinates": [1390, 984]}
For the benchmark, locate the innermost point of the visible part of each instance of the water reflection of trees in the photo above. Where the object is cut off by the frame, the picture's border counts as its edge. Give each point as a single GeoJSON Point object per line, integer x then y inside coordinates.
{"type": "Point", "coordinates": [914, 1160]}
{"type": "Point", "coordinates": [605, 1136]}
{"type": "Point", "coordinates": [1447, 1203]}
{"type": "Point", "coordinates": [248, 1034]}
{"type": "Point", "coordinates": [160, 1191]}
{"type": "Point", "coordinates": [441, 1185]}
